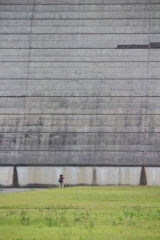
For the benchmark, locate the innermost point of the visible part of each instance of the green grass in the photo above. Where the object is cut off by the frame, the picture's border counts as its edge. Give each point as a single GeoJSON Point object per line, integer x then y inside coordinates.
{"type": "Point", "coordinates": [80, 213]}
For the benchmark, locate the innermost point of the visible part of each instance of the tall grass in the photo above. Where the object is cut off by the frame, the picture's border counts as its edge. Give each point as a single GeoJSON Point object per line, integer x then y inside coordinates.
{"type": "Point", "coordinates": [81, 213]}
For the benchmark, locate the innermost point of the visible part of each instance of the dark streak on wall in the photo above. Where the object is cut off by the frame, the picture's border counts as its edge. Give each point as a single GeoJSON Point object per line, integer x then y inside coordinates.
{"type": "Point", "coordinates": [139, 46]}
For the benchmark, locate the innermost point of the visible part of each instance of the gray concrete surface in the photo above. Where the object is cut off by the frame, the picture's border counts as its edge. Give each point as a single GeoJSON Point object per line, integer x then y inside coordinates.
{"type": "Point", "coordinates": [11, 190]}
{"type": "Point", "coordinates": [47, 176]}
{"type": "Point", "coordinates": [6, 176]}
{"type": "Point", "coordinates": [68, 94]}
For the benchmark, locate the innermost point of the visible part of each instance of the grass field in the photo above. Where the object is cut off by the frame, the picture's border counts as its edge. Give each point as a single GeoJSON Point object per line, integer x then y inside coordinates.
{"type": "Point", "coordinates": [80, 213]}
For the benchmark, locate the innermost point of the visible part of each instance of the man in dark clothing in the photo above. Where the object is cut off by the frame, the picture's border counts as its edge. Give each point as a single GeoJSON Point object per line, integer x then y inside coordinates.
{"type": "Point", "coordinates": [61, 183]}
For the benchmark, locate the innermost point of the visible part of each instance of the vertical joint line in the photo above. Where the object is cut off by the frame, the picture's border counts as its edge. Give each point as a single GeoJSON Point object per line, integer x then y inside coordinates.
{"type": "Point", "coordinates": [26, 92]}
{"type": "Point", "coordinates": [148, 66]}
{"type": "Point", "coordinates": [30, 39]}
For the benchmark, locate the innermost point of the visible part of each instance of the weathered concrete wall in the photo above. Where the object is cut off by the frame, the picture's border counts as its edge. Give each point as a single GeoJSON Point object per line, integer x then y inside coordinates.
{"type": "Point", "coordinates": [6, 176]}
{"type": "Point", "coordinates": [80, 82]}
{"type": "Point", "coordinates": [33, 176]}
{"type": "Point", "coordinates": [153, 176]}
{"type": "Point", "coordinates": [118, 175]}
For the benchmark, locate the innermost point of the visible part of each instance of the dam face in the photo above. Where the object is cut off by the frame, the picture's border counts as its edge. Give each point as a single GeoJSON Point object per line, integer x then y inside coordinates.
{"type": "Point", "coordinates": [79, 92]}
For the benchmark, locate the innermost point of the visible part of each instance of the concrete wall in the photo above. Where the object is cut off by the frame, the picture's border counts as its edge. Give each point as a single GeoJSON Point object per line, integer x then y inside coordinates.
{"type": "Point", "coordinates": [32, 176]}
{"type": "Point", "coordinates": [153, 176]}
{"type": "Point", "coordinates": [69, 95]}
{"type": "Point", "coordinates": [6, 176]}
{"type": "Point", "coordinates": [49, 175]}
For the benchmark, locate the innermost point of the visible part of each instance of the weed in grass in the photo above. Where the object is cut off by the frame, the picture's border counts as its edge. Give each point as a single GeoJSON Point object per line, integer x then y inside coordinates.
{"type": "Point", "coordinates": [80, 217]}
{"type": "Point", "coordinates": [17, 238]}
{"type": "Point", "coordinates": [120, 218]}
{"type": "Point", "coordinates": [3, 219]}
{"type": "Point", "coordinates": [52, 217]}
{"type": "Point", "coordinates": [91, 224]}
{"type": "Point", "coordinates": [130, 223]}
{"type": "Point", "coordinates": [20, 238]}
{"type": "Point", "coordinates": [132, 212]}
{"type": "Point", "coordinates": [24, 218]}
{"type": "Point", "coordinates": [65, 235]}
{"type": "Point", "coordinates": [114, 223]}
{"type": "Point", "coordinates": [81, 238]}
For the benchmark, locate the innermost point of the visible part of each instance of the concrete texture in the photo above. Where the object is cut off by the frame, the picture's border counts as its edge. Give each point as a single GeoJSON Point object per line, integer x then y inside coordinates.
{"type": "Point", "coordinates": [6, 176]}
{"type": "Point", "coordinates": [45, 176]}
{"type": "Point", "coordinates": [68, 95]}
{"type": "Point", "coordinates": [34, 176]}
{"type": "Point", "coordinates": [31, 176]}
{"type": "Point", "coordinates": [153, 176]}
{"type": "Point", "coordinates": [118, 175]}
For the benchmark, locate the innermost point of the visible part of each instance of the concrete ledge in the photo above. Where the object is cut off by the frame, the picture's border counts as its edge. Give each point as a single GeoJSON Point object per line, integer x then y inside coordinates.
{"type": "Point", "coordinates": [48, 176]}
{"type": "Point", "coordinates": [45, 176]}
{"type": "Point", "coordinates": [6, 176]}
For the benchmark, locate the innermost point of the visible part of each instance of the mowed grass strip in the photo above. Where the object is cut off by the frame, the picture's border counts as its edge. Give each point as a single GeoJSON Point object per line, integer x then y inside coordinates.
{"type": "Point", "coordinates": [79, 213]}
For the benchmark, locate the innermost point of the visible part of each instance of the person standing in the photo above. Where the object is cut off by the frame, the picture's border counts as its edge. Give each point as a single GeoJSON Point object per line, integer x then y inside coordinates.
{"type": "Point", "coordinates": [61, 181]}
